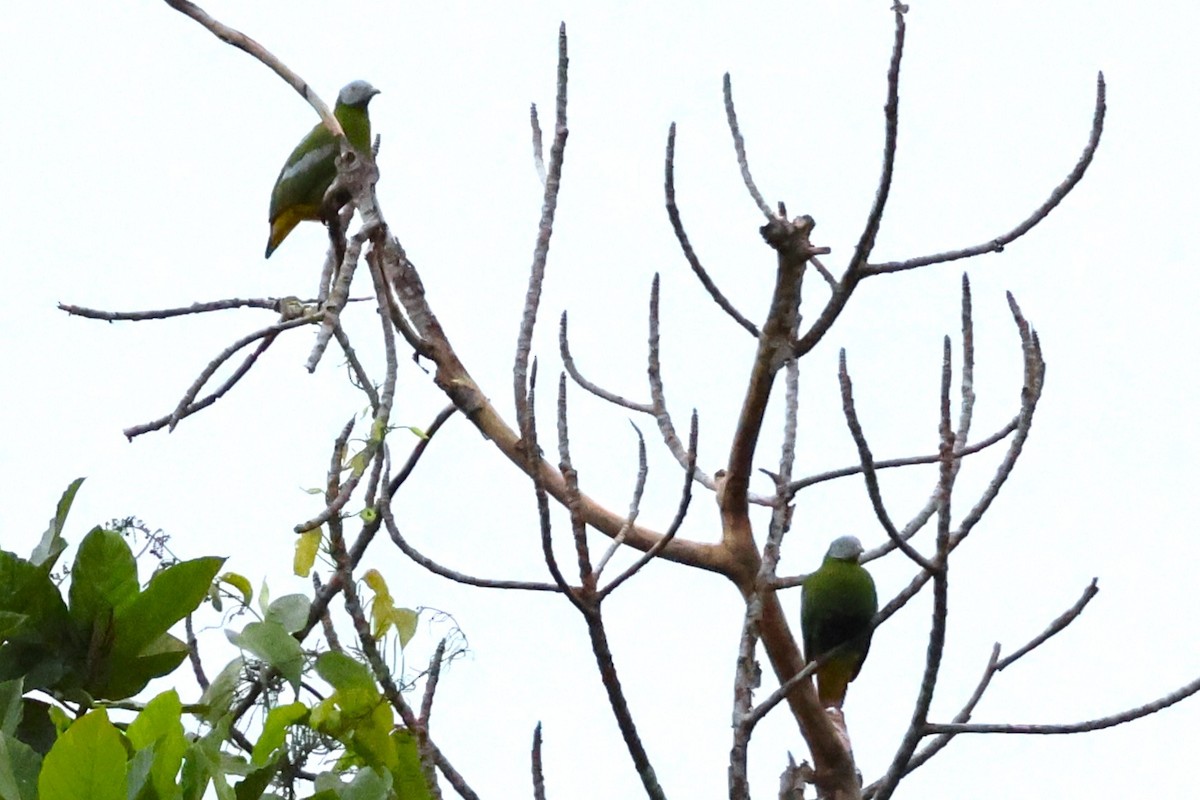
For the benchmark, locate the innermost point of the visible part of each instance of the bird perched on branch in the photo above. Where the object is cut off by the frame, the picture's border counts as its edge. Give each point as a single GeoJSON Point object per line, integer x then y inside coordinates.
{"type": "Point", "coordinates": [837, 604]}
{"type": "Point", "coordinates": [310, 169]}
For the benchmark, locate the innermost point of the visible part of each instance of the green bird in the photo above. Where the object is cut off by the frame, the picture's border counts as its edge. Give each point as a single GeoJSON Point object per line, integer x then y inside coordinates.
{"type": "Point", "coordinates": [310, 169]}
{"type": "Point", "coordinates": [837, 604]}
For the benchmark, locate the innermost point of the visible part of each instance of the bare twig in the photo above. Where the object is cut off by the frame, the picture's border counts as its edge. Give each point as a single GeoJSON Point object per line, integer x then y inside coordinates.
{"type": "Point", "coordinates": [685, 244]}
{"type": "Point", "coordinates": [431, 682]}
{"type": "Point", "coordinates": [424, 561]}
{"type": "Point", "coordinates": [634, 504]}
{"type": "Point", "coordinates": [998, 244]}
{"type": "Point", "coordinates": [680, 513]}
{"type": "Point", "coordinates": [739, 145]}
{"type": "Point", "coordinates": [868, 469]}
{"type": "Point", "coordinates": [564, 350]}
{"type": "Point", "coordinates": [245, 43]}
{"type": "Point", "coordinates": [545, 229]}
{"type": "Point", "coordinates": [535, 761]}
{"type": "Point", "coordinates": [937, 630]}
{"type": "Point", "coordinates": [845, 472]}
{"type": "Point", "coordinates": [1100, 723]}
{"type": "Point", "coordinates": [539, 162]}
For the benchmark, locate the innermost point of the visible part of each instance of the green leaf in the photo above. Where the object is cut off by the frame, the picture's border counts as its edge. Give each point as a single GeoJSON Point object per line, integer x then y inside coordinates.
{"type": "Point", "coordinates": [219, 696]}
{"type": "Point", "coordinates": [159, 727]}
{"type": "Point", "coordinates": [418, 432]}
{"type": "Point", "coordinates": [254, 784]}
{"type": "Point", "coordinates": [52, 544]}
{"type": "Point", "coordinates": [240, 583]}
{"type": "Point", "coordinates": [36, 728]}
{"type": "Point", "coordinates": [160, 657]}
{"type": "Point", "coordinates": [19, 767]}
{"type": "Point", "coordinates": [87, 761]}
{"type": "Point", "coordinates": [290, 611]}
{"type": "Point", "coordinates": [10, 705]}
{"type": "Point", "coordinates": [171, 595]}
{"type": "Point", "coordinates": [275, 731]}
{"type": "Point", "coordinates": [369, 784]}
{"type": "Point", "coordinates": [30, 594]}
{"type": "Point", "coordinates": [139, 785]}
{"type": "Point", "coordinates": [410, 780]}
{"type": "Point", "coordinates": [273, 644]}
{"type": "Point", "coordinates": [103, 578]}
{"type": "Point", "coordinates": [368, 515]}
{"type": "Point", "coordinates": [342, 672]}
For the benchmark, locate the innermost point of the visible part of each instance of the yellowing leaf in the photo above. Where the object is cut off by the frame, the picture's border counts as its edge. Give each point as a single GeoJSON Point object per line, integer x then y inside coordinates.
{"type": "Point", "coordinates": [307, 546]}
{"type": "Point", "coordinates": [240, 583]}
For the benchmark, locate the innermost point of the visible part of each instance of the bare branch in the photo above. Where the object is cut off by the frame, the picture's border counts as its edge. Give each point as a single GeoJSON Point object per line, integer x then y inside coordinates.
{"type": "Point", "coordinates": [1059, 623]}
{"type": "Point", "coordinates": [685, 244]}
{"type": "Point", "coordinates": [267, 303]}
{"type": "Point", "coordinates": [545, 228]}
{"type": "Point", "coordinates": [937, 631]}
{"type": "Point", "coordinates": [845, 472]}
{"type": "Point", "coordinates": [458, 577]}
{"type": "Point", "coordinates": [431, 682]}
{"type": "Point", "coordinates": [634, 505]}
{"type": "Point", "coordinates": [866, 242]}
{"type": "Point", "coordinates": [564, 350]}
{"type": "Point", "coordinates": [998, 244]}
{"type": "Point", "coordinates": [680, 513]}
{"type": "Point", "coordinates": [245, 43]}
{"type": "Point", "coordinates": [535, 759]}
{"type": "Point", "coordinates": [538, 162]}
{"type": "Point", "coordinates": [1166, 701]}
{"type": "Point", "coordinates": [739, 145]}
{"type": "Point", "coordinates": [587, 575]}
{"type": "Point", "coordinates": [868, 469]}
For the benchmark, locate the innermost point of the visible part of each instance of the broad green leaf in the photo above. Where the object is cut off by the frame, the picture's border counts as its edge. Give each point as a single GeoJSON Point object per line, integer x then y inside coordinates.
{"type": "Point", "coordinates": [36, 728]}
{"type": "Point", "coordinates": [10, 622]}
{"type": "Point", "coordinates": [254, 784]}
{"type": "Point", "coordinates": [19, 767]}
{"type": "Point", "coordinates": [29, 592]}
{"type": "Point", "coordinates": [290, 611]}
{"type": "Point", "coordinates": [275, 731]}
{"type": "Point", "coordinates": [374, 579]}
{"type": "Point", "coordinates": [193, 779]}
{"type": "Point", "coordinates": [52, 544]}
{"type": "Point", "coordinates": [103, 578]}
{"type": "Point", "coordinates": [171, 595]}
{"type": "Point", "coordinates": [342, 672]}
{"type": "Point", "coordinates": [160, 727]}
{"type": "Point", "coordinates": [308, 544]}
{"type": "Point", "coordinates": [273, 644]}
{"type": "Point", "coordinates": [240, 583]}
{"type": "Point", "coordinates": [128, 677]}
{"type": "Point", "coordinates": [87, 761]}
{"type": "Point", "coordinates": [369, 784]}
{"type": "Point", "coordinates": [219, 696]}
{"type": "Point", "coordinates": [410, 780]}
{"type": "Point", "coordinates": [368, 515]}
{"type": "Point", "coordinates": [137, 778]}
{"type": "Point", "coordinates": [10, 705]}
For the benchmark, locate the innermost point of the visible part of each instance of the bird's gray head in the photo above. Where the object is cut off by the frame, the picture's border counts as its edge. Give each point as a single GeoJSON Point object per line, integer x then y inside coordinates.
{"type": "Point", "coordinates": [356, 94]}
{"type": "Point", "coordinates": [845, 548]}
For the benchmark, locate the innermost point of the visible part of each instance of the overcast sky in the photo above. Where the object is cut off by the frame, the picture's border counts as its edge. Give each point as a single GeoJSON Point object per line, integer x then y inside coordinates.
{"type": "Point", "coordinates": [139, 157]}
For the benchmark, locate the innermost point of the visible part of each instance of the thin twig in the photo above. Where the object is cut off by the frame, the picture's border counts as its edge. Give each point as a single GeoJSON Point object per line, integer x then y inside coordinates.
{"type": "Point", "coordinates": [535, 761]}
{"type": "Point", "coordinates": [680, 514]}
{"type": "Point", "coordinates": [739, 145]}
{"type": "Point", "coordinates": [685, 244]}
{"type": "Point", "coordinates": [422, 560]}
{"type": "Point", "coordinates": [634, 504]}
{"type": "Point", "coordinates": [868, 469]}
{"type": "Point", "coordinates": [536, 128]}
{"type": "Point", "coordinates": [564, 350]}
{"type": "Point", "coordinates": [998, 244]}
{"type": "Point", "coordinates": [541, 250]}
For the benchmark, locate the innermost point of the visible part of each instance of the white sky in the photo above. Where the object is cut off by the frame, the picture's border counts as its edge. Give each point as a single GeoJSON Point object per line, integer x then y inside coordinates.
{"type": "Point", "coordinates": [140, 153]}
